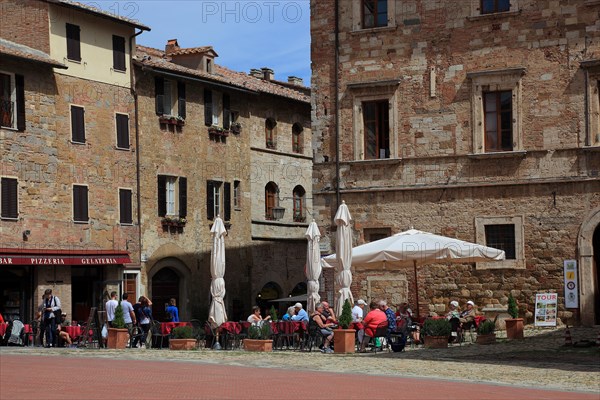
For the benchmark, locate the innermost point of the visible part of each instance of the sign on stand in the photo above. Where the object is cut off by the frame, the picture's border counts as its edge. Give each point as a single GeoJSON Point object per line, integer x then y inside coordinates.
{"type": "Point", "coordinates": [571, 289]}
{"type": "Point", "coordinates": [545, 309]}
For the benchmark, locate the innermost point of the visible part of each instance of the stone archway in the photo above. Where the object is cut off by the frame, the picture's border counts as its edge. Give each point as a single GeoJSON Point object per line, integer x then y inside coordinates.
{"type": "Point", "coordinates": [182, 272]}
{"type": "Point", "coordinates": [588, 268]}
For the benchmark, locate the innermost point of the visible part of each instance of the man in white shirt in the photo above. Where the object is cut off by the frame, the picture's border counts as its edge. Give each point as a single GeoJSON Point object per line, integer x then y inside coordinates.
{"type": "Point", "coordinates": [357, 310]}
{"type": "Point", "coordinates": [111, 305]}
{"type": "Point", "coordinates": [50, 305]}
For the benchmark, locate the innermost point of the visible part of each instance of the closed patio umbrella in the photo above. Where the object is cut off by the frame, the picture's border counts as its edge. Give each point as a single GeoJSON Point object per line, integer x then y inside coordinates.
{"type": "Point", "coordinates": [414, 248]}
{"type": "Point", "coordinates": [313, 266]}
{"type": "Point", "coordinates": [217, 272]}
{"type": "Point", "coordinates": [343, 255]}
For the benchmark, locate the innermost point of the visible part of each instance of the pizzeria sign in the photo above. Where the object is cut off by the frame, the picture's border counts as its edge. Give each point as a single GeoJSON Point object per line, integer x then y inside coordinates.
{"type": "Point", "coordinates": [64, 260]}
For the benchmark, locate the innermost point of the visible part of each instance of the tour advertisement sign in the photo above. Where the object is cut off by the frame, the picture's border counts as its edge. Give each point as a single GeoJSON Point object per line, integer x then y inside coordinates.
{"type": "Point", "coordinates": [545, 309]}
{"type": "Point", "coordinates": [571, 289]}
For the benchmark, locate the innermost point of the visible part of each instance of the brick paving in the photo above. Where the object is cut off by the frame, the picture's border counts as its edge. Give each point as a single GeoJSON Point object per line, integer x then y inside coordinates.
{"type": "Point", "coordinates": [64, 377]}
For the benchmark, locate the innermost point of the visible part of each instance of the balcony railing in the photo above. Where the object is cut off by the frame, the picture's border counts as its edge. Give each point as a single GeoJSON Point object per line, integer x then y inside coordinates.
{"type": "Point", "coordinates": [7, 113]}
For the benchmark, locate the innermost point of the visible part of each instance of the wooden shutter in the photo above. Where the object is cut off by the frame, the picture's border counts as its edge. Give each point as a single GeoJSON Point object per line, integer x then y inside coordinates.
{"type": "Point", "coordinates": [73, 43]}
{"type": "Point", "coordinates": [227, 200]}
{"type": "Point", "coordinates": [159, 92]}
{"type": "Point", "coordinates": [208, 107]}
{"type": "Point", "coordinates": [210, 200]}
{"type": "Point", "coordinates": [162, 195]}
{"type": "Point", "coordinates": [119, 53]}
{"type": "Point", "coordinates": [80, 203]}
{"type": "Point", "coordinates": [181, 99]}
{"type": "Point", "coordinates": [77, 124]}
{"type": "Point", "coordinates": [20, 86]}
{"type": "Point", "coordinates": [182, 197]}
{"type": "Point", "coordinates": [9, 200]}
{"type": "Point", "coordinates": [226, 112]}
{"type": "Point", "coordinates": [125, 214]}
{"type": "Point", "coordinates": [122, 122]}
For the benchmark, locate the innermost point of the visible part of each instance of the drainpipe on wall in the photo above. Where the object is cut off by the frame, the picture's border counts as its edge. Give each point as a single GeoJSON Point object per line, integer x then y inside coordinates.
{"type": "Point", "coordinates": [586, 102]}
{"type": "Point", "coordinates": [137, 144]}
{"type": "Point", "coordinates": [337, 110]}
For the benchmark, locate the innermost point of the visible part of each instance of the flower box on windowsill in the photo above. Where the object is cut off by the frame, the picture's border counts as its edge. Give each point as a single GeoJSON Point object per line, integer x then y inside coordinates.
{"type": "Point", "coordinates": [175, 222]}
{"type": "Point", "coordinates": [271, 145]}
{"type": "Point", "coordinates": [171, 120]}
{"type": "Point", "coordinates": [236, 128]}
{"type": "Point", "coordinates": [218, 131]}
{"type": "Point", "coordinates": [299, 218]}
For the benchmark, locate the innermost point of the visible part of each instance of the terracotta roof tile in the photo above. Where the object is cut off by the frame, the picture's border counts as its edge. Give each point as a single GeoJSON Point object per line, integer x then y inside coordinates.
{"type": "Point", "coordinates": [155, 58]}
{"type": "Point", "coordinates": [24, 52]}
{"type": "Point", "coordinates": [192, 50]}
{"type": "Point", "coordinates": [99, 12]}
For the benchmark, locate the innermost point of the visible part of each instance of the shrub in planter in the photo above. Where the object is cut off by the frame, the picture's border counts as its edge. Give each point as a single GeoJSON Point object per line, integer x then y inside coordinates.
{"type": "Point", "coordinates": [485, 332]}
{"type": "Point", "coordinates": [343, 339]}
{"type": "Point", "coordinates": [118, 335]}
{"type": "Point", "coordinates": [183, 332]}
{"type": "Point", "coordinates": [346, 317]}
{"type": "Point", "coordinates": [514, 326]}
{"type": "Point", "coordinates": [513, 309]}
{"type": "Point", "coordinates": [437, 332]}
{"type": "Point", "coordinates": [259, 338]}
{"type": "Point", "coordinates": [182, 338]}
{"type": "Point", "coordinates": [273, 314]}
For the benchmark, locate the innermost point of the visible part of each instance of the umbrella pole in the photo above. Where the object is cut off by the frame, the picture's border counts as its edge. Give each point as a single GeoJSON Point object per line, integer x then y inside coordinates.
{"type": "Point", "coordinates": [416, 287]}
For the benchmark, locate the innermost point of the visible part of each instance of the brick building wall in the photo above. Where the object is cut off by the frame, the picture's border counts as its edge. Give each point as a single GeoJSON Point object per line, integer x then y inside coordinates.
{"type": "Point", "coordinates": [26, 22]}
{"type": "Point", "coordinates": [431, 63]}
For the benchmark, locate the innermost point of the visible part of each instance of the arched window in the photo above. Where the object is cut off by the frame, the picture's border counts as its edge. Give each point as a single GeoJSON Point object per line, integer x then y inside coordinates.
{"type": "Point", "coordinates": [270, 133]}
{"type": "Point", "coordinates": [271, 200]}
{"type": "Point", "coordinates": [299, 200]}
{"type": "Point", "coordinates": [297, 138]}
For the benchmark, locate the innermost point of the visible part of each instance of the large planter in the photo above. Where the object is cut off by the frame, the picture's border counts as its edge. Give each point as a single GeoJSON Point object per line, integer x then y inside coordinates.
{"type": "Point", "coordinates": [182, 344]}
{"type": "Point", "coordinates": [117, 338]}
{"type": "Point", "coordinates": [436, 342]}
{"type": "Point", "coordinates": [258, 345]}
{"type": "Point", "coordinates": [514, 328]}
{"type": "Point", "coordinates": [486, 339]}
{"type": "Point", "coordinates": [344, 341]}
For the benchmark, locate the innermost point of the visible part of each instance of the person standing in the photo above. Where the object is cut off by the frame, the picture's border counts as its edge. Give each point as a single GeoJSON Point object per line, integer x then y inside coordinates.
{"type": "Point", "coordinates": [110, 306]}
{"type": "Point", "coordinates": [50, 305]}
{"type": "Point", "coordinates": [128, 314]}
{"type": "Point", "coordinates": [358, 310]}
{"type": "Point", "coordinates": [144, 316]}
{"type": "Point", "coordinates": [171, 309]}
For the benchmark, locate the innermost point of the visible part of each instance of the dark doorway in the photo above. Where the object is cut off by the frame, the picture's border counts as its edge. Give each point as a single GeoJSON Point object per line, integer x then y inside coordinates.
{"type": "Point", "coordinates": [85, 293]}
{"type": "Point", "coordinates": [596, 273]}
{"type": "Point", "coordinates": [165, 286]}
{"type": "Point", "coordinates": [15, 294]}
{"type": "Point", "coordinates": [270, 291]}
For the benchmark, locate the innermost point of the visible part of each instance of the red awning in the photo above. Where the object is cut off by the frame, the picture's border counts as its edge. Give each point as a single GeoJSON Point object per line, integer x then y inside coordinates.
{"type": "Point", "coordinates": [62, 257]}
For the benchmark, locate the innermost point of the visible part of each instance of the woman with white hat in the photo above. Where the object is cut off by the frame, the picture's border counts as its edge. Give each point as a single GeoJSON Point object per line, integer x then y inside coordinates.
{"type": "Point", "coordinates": [468, 314]}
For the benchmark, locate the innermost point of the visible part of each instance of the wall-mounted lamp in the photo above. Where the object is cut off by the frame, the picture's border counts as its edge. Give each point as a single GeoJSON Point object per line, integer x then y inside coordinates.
{"type": "Point", "coordinates": [26, 234]}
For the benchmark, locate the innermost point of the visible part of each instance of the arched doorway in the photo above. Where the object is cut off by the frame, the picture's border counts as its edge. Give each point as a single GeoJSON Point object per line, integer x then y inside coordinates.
{"type": "Point", "coordinates": [270, 291]}
{"type": "Point", "coordinates": [588, 247]}
{"type": "Point", "coordinates": [299, 289]}
{"type": "Point", "coordinates": [165, 286]}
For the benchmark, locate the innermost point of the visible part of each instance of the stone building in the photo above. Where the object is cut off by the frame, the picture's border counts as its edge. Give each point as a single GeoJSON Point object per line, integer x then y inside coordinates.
{"type": "Point", "coordinates": [219, 142]}
{"type": "Point", "coordinates": [68, 160]}
{"type": "Point", "coordinates": [473, 119]}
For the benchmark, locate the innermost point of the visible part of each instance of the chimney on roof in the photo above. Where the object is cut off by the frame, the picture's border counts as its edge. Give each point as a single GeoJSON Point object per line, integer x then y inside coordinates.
{"type": "Point", "coordinates": [171, 46]}
{"type": "Point", "coordinates": [294, 80]}
{"type": "Point", "coordinates": [268, 74]}
{"type": "Point", "coordinates": [257, 73]}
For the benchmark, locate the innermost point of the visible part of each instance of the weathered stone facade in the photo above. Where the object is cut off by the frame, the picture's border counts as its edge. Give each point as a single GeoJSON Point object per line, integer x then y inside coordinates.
{"type": "Point", "coordinates": [433, 63]}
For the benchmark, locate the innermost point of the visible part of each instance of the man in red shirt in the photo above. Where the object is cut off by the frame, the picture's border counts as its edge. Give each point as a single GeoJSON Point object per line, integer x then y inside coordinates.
{"type": "Point", "coordinates": [371, 322]}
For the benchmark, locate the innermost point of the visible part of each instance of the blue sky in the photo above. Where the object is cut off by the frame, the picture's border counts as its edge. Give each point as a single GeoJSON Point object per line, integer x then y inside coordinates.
{"type": "Point", "coordinates": [245, 33]}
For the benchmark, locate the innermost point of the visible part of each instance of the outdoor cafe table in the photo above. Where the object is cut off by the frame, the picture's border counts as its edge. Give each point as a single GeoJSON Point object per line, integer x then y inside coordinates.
{"type": "Point", "coordinates": [166, 327]}
{"type": "Point", "coordinates": [4, 326]}
{"type": "Point", "coordinates": [231, 327]}
{"type": "Point", "coordinates": [74, 331]}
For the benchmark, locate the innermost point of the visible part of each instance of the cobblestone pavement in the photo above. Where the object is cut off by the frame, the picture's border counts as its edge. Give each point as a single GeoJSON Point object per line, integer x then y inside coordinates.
{"type": "Point", "coordinates": [539, 361]}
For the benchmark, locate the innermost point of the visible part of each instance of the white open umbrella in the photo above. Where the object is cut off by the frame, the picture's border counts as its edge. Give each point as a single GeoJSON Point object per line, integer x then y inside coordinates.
{"type": "Point", "coordinates": [217, 272]}
{"type": "Point", "coordinates": [313, 266]}
{"type": "Point", "coordinates": [343, 256]}
{"type": "Point", "coordinates": [414, 248]}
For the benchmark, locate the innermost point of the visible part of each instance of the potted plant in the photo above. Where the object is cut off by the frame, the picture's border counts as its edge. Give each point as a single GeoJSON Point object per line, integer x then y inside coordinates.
{"type": "Point", "coordinates": [236, 128]}
{"type": "Point", "coordinates": [118, 334]}
{"type": "Point", "coordinates": [344, 338]}
{"type": "Point", "coordinates": [182, 338]}
{"type": "Point", "coordinates": [514, 325]}
{"type": "Point", "coordinates": [437, 332]}
{"type": "Point", "coordinates": [486, 332]}
{"type": "Point", "coordinates": [273, 314]}
{"type": "Point", "coordinates": [259, 338]}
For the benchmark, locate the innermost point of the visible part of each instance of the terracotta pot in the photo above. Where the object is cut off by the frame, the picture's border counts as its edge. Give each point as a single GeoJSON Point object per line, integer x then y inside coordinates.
{"type": "Point", "coordinates": [182, 344]}
{"type": "Point", "coordinates": [486, 339]}
{"type": "Point", "coordinates": [436, 342]}
{"type": "Point", "coordinates": [117, 338]}
{"type": "Point", "coordinates": [514, 328]}
{"type": "Point", "coordinates": [344, 340]}
{"type": "Point", "coordinates": [258, 345]}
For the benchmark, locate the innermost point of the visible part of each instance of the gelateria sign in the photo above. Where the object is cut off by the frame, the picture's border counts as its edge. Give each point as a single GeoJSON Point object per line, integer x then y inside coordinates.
{"type": "Point", "coordinates": [79, 259]}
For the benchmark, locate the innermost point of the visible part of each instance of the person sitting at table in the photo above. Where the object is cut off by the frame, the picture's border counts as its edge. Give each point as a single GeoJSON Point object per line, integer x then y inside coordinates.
{"type": "Point", "coordinates": [63, 336]}
{"type": "Point", "coordinates": [172, 311]}
{"type": "Point", "coordinates": [289, 314]}
{"type": "Point", "coordinates": [467, 316]}
{"type": "Point", "coordinates": [255, 318]}
{"type": "Point", "coordinates": [390, 314]}
{"type": "Point", "coordinates": [301, 314]}
{"type": "Point", "coordinates": [370, 323]}
{"type": "Point", "coordinates": [328, 312]}
{"type": "Point", "coordinates": [358, 310]}
{"type": "Point", "coordinates": [453, 316]}
{"type": "Point", "coordinates": [324, 327]}
{"type": "Point", "coordinates": [404, 320]}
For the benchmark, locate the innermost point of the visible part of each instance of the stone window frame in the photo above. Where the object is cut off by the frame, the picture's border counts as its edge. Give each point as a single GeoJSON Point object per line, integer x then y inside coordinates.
{"type": "Point", "coordinates": [592, 71]}
{"type": "Point", "coordinates": [492, 81]}
{"type": "Point", "coordinates": [13, 99]}
{"type": "Point", "coordinates": [477, 14]}
{"type": "Point", "coordinates": [357, 17]}
{"type": "Point", "coordinates": [374, 91]}
{"type": "Point", "coordinates": [518, 222]}
{"type": "Point", "coordinates": [367, 232]}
